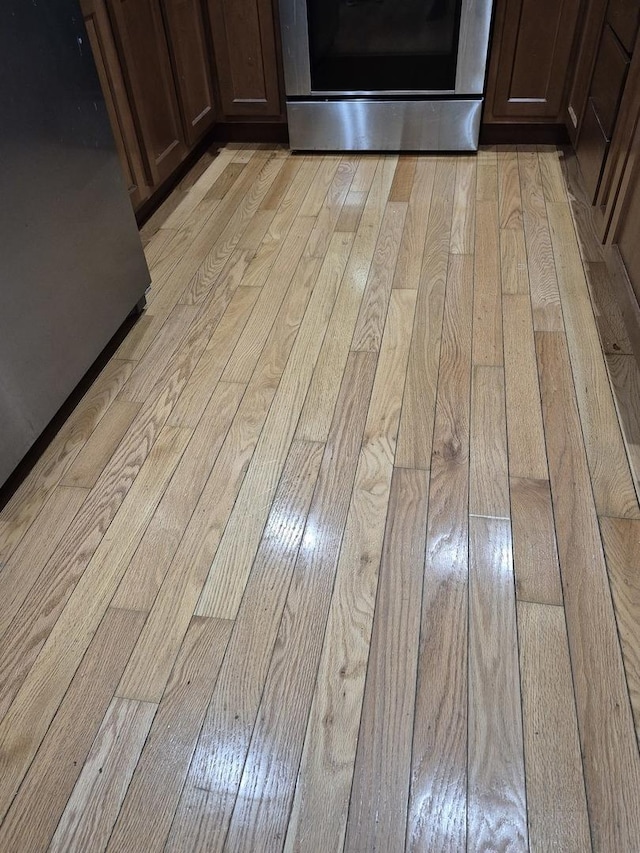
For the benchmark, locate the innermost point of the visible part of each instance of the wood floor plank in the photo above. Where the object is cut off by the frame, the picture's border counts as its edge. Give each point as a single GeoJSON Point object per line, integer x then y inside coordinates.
{"type": "Point", "coordinates": [487, 303]}
{"type": "Point", "coordinates": [278, 737]}
{"type": "Point", "coordinates": [230, 568]}
{"type": "Point", "coordinates": [152, 797]}
{"type": "Point", "coordinates": [349, 218]}
{"type": "Point", "coordinates": [535, 552]}
{"type": "Point", "coordinates": [225, 181]}
{"type": "Point", "coordinates": [553, 183]}
{"type": "Point", "coordinates": [194, 400]}
{"type": "Point", "coordinates": [625, 380]}
{"type": "Point", "coordinates": [198, 191]}
{"type": "Point", "coordinates": [497, 798]}
{"type": "Point", "coordinates": [514, 271]}
{"type": "Point", "coordinates": [378, 810]}
{"type": "Point", "coordinates": [487, 175]}
{"type": "Point", "coordinates": [590, 239]}
{"type": "Point", "coordinates": [621, 539]}
{"type": "Point", "coordinates": [556, 801]}
{"type": "Point", "coordinates": [282, 184]}
{"type": "Point", "coordinates": [228, 725]}
{"type": "Point", "coordinates": [611, 327]}
{"type": "Point", "coordinates": [318, 190]}
{"type": "Point", "coordinates": [254, 335]}
{"type": "Point", "coordinates": [403, 179]}
{"type": "Point", "coordinates": [148, 567]}
{"type": "Point", "coordinates": [509, 190]}
{"type": "Point", "coordinates": [488, 472]}
{"type": "Point", "coordinates": [24, 506]}
{"type": "Point", "coordinates": [545, 296]}
{"type": "Point", "coordinates": [527, 453]}
{"type": "Point", "coordinates": [418, 408]}
{"type": "Point", "coordinates": [610, 476]}
{"type": "Point", "coordinates": [42, 690]}
{"type": "Point", "coordinates": [92, 809]}
{"type": "Point", "coordinates": [373, 309]}
{"type": "Point", "coordinates": [411, 251]}
{"type": "Point", "coordinates": [464, 208]}
{"type": "Point", "coordinates": [437, 817]}
{"type": "Point", "coordinates": [317, 414]}
{"type": "Point", "coordinates": [93, 458]}
{"type": "Point", "coordinates": [23, 568]}
{"type": "Point", "coordinates": [610, 758]}
{"type": "Point", "coordinates": [41, 799]}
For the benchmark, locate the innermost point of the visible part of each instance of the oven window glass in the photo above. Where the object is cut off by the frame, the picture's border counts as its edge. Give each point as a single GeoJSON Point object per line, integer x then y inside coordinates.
{"type": "Point", "coordinates": [383, 45]}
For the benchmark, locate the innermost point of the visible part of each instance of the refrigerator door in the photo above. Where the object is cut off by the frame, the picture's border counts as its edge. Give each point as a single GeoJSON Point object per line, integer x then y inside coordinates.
{"type": "Point", "coordinates": [71, 262]}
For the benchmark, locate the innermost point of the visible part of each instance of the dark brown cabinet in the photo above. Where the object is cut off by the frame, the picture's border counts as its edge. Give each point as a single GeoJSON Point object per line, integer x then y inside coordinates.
{"type": "Point", "coordinates": [144, 52]}
{"type": "Point", "coordinates": [118, 106]}
{"type": "Point", "coordinates": [190, 55]}
{"type": "Point", "coordinates": [244, 42]}
{"type": "Point", "coordinates": [529, 60]}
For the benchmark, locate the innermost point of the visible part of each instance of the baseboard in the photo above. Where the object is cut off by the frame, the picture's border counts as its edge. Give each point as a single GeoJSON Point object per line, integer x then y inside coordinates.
{"type": "Point", "coordinates": [254, 131]}
{"type": "Point", "coordinates": [523, 134]}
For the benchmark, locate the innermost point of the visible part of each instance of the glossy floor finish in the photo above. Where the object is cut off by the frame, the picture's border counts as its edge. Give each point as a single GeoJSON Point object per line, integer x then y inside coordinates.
{"type": "Point", "coordinates": [342, 548]}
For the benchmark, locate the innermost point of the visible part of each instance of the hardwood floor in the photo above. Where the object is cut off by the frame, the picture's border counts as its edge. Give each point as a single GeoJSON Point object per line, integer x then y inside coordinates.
{"type": "Point", "coordinates": [340, 551]}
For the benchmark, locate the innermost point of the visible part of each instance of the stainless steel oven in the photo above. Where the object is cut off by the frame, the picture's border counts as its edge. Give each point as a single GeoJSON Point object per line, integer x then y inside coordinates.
{"type": "Point", "coordinates": [385, 75]}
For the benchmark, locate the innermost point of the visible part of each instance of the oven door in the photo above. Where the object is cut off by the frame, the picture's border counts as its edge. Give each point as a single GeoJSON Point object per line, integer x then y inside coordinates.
{"type": "Point", "coordinates": [393, 47]}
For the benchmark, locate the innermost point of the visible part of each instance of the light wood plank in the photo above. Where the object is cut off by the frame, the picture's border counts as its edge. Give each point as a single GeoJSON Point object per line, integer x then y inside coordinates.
{"type": "Point", "coordinates": [24, 506]}
{"type": "Point", "coordinates": [418, 408]}
{"type": "Point", "coordinates": [403, 179]}
{"type": "Point", "coordinates": [198, 191]}
{"type": "Point", "coordinates": [38, 805]}
{"type": "Point", "coordinates": [487, 175]}
{"type": "Point", "coordinates": [282, 184]}
{"type": "Point", "coordinates": [23, 568]}
{"type": "Point", "coordinates": [514, 271]}
{"type": "Point", "coordinates": [148, 567]}
{"type": "Point", "coordinates": [553, 183]}
{"type": "Point", "coordinates": [611, 326]}
{"type": "Point", "coordinates": [557, 806]}
{"type": "Point", "coordinates": [94, 456]}
{"type": "Point", "coordinates": [610, 476]}
{"type": "Point", "coordinates": [621, 539]}
{"type": "Point", "coordinates": [152, 796]}
{"type": "Point", "coordinates": [225, 181]}
{"type": "Point", "coordinates": [535, 552]}
{"type": "Point", "coordinates": [625, 379]}
{"type": "Point", "coordinates": [487, 303]}
{"type": "Point", "coordinates": [349, 218]}
{"type": "Point", "coordinates": [437, 817]}
{"type": "Point", "coordinates": [497, 798]}
{"type": "Point", "coordinates": [230, 568]}
{"type": "Point", "coordinates": [279, 734]}
{"type": "Point", "coordinates": [509, 190]}
{"type": "Point", "coordinates": [41, 692]}
{"type": "Point", "coordinates": [527, 453]}
{"type": "Point", "coordinates": [317, 192]}
{"type": "Point", "coordinates": [92, 809]}
{"type": "Point", "coordinates": [488, 473]}
{"type": "Point", "coordinates": [373, 309]}
{"type": "Point", "coordinates": [378, 812]}
{"type": "Point", "coordinates": [464, 208]}
{"type": "Point", "coordinates": [610, 758]}
{"type": "Point", "coordinates": [545, 297]}
{"type": "Point", "coordinates": [411, 251]}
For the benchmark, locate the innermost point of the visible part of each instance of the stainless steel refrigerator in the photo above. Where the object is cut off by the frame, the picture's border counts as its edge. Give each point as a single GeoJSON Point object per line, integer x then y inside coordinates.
{"type": "Point", "coordinates": [71, 262]}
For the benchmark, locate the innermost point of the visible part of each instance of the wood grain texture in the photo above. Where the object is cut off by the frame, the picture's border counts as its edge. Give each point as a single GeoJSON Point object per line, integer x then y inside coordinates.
{"type": "Point", "coordinates": [487, 303]}
{"type": "Point", "coordinates": [409, 263]}
{"type": "Point", "coordinates": [611, 327]}
{"type": "Point", "coordinates": [610, 759]}
{"type": "Point", "coordinates": [514, 271]}
{"type": "Point", "coordinates": [488, 471]}
{"type": "Point", "coordinates": [509, 190]}
{"type": "Point", "coordinates": [464, 208]}
{"type": "Point", "coordinates": [378, 807]}
{"type": "Point", "coordinates": [610, 476]}
{"type": "Point", "coordinates": [527, 454]}
{"type": "Point", "coordinates": [93, 806]}
{"type": "Point", "coordinates": [556, 801]}
{"type": "Point", "coordinates": [403, 179]}
{"type": "Point", "coordinates": [497, 798]}
{"type": "Point", "coordinates": [152, 796]}
{"type": "Point", "coordinates": [535, 553]}
{"type": "Point", "coordinates": [41, 799]}
{"type": "Point", "coordinates": [621, 538]}
{"type": "Point", "coordinates": [437, 817]}
{"type": "Point", "coordinates": [624, 374]}
{"type": "Point", "coordinates": [418, 408]}
{"type": "Point", "coordinates": [545, 297]}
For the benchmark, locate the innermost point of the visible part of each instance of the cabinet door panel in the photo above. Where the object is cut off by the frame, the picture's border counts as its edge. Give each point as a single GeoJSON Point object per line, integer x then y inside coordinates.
{"type": "Point", "coordinates": [244, 42]}
{"type": "Point", "coordinates": [530, 57]}
{"type": "Point", "coordinates": [98, 27]}
{"type": "Point", "coordinates": [139, 30]}
{"type": "Point", "coordinates": [187, 42]}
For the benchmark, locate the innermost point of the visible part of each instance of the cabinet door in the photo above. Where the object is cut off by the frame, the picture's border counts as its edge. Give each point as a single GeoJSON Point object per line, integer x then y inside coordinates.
{"type": "Point", "coordinates": [98, 27]}
{"type": "Point", "coordinates": [244, 43]}
{"type": "Point", "coordinates": [139, 31]}
{"type": "Point", "coordinates": [530, 56]}
{"type": "Point", "coordinates": [188, 45]}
